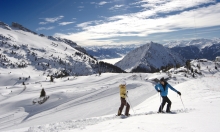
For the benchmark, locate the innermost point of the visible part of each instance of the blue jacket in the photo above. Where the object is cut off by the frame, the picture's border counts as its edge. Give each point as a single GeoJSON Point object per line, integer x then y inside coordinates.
{"type": "Point", "coordinates": [164, 92]}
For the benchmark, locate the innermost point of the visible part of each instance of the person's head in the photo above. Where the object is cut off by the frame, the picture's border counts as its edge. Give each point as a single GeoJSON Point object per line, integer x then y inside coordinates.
{"type": "Point", "coordinates": [123, 83]}
{"type": "Point", "coordinates": [162, 81]}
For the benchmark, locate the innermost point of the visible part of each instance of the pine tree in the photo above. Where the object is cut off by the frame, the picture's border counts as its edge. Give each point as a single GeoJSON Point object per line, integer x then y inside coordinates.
{"type": "Point", "coordinates": [188, 66]}
{"type": "Point", "coordinates": [51, 78]}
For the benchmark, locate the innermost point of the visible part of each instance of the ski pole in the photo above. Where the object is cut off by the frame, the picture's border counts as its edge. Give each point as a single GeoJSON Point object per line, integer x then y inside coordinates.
{"type": "Point", "coordinates": [160, 104]}
{"type": "Point", "coordinates": [131, 105]}
{"type": "Point", "coordinates": [182, 103]}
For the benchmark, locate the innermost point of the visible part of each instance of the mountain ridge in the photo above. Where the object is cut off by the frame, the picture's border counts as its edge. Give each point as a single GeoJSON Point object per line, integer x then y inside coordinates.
{"type": "Point", "coordinates": [196, 49]}
{"type": "Point", "coordinates": [110, 51]}
{"type": "Point", "coordinates": [149, 58]}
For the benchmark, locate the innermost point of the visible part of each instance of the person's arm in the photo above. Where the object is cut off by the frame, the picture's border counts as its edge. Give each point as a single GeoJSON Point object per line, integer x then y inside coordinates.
{"type": "Point", "coordinates": [173, 89]}
{"type": "Point", "coordinates": [125, 92]}
{"type": "Point", "coordinates": [157, 88]}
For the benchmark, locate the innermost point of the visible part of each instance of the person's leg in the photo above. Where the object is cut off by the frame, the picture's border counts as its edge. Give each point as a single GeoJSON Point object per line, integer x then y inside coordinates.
{"type": "Point", "coordinates": [162, 104]}
{"type": "Point", "coordinates": [168, 105]}
{"type": "Point", "coordinates": [123, 102]}
{"type": "Point", "coordinates": [127, 109]}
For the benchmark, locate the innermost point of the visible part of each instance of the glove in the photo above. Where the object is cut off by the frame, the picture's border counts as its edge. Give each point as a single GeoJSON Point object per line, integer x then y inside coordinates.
{"type": "Point", "coordinates": [179, 93]}
{"type": "Point", "coordinates": [158, 90]}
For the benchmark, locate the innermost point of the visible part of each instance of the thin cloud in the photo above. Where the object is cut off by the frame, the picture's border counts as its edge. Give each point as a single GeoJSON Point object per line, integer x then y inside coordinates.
{"type": "Point", "coordinates": [65, 23]}
{"type": "Point", "coordinates": [80, 7]}
{"type": "Point", "coordinates": [115, 7]}
{"type": "Point", "coordinates": [103, 3]}
{"type": "Point", "coordinates": [141, 24]}
{"type": "Point", "coordinates": [92, 3]}
{"type": "Point", "coordinates": [50, 20]}
{"type": "Point", "coordinates": [85, 24]}
{"type": "Point", "coordinates": [89, 23]}
{"type": "Point", "coordinates": [44, 28]}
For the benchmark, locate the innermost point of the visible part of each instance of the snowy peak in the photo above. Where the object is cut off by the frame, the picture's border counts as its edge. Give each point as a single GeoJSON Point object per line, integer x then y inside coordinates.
{"type": "Point", "coordinates": [179, 43]}
{"type": "Point", "coordinates": [199, 43]}
{"type": "Point", "coordinates": [198, 48]}
{"type": "Point", "coordinates": [149, 58]}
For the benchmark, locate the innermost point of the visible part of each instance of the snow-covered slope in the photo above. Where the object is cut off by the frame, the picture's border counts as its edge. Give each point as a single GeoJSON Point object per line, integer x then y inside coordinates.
{"type": "Point", "coordinates": [23, 48]}
{"type": "Point", "coordinates": [149, 58]}
{"type": "Point", "coordinates": [89, 103]}
{"type": "Point", "coordinates": [77, 98]}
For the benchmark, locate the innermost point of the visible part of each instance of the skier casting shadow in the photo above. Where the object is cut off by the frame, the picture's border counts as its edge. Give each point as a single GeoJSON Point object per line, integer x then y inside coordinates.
{"type": "Point", "coordinates": [123, 95]}
{"type": "Point", "coordinates": [162, 87]}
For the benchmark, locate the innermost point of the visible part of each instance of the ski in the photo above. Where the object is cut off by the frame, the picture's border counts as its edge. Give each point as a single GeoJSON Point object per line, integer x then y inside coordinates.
{"type": "Point", "coordinates": [167, 112]}
{"type": "Point", "coordinates": [122, 116]}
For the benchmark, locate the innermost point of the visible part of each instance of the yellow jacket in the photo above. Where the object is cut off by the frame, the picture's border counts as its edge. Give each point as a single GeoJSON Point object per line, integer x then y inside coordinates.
{"type": "Point", "coordinates": [122, 91]}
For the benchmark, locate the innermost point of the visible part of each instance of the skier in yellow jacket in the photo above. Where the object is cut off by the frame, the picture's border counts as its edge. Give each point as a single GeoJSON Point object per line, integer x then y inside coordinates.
{"type": "Point", "coordinates": [123, 94]}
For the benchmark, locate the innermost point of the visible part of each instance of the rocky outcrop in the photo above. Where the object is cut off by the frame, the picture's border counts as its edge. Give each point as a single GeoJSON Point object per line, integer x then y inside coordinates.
{"type": "Point", "coordinates": [5, 26]}
{"type": "Point", "coordinates": [19, 26]}
{"type": "Point", "coordinates": [69, 42]}
{"type": "Point", "coordinates": [42, 35]}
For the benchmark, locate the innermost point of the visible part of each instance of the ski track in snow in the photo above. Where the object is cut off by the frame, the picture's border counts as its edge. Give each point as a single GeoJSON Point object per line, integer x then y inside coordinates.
{"type": "Point", "coordinates": [82, 123]}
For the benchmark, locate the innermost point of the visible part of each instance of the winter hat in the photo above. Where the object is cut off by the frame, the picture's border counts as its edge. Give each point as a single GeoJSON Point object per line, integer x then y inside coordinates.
{"type": "Point", "coordinates": [162, 79]}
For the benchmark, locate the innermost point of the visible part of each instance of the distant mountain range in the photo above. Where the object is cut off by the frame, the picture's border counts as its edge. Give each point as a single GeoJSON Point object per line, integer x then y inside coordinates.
{"type": "Point", "coordinates": [110, 51]}
{"type": "Point", "coordinates": [194, 49]}
{"type": "Point", "coordinates": [199, 43]}
{"type": "Point", "coordinates": [188, 49]}
{"type": "Point", "coordinates": [143, 61]}
{"type": "Point", "coordinates": [150, 58]}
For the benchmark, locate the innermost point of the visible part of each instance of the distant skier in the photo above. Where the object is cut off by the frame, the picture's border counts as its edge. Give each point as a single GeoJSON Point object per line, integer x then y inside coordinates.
{"type": "Point", "coordinates": [43, 93]}
{"type": "Point", "coordinates": [123, 94]}
{"type": "Point", "coordinates": [162, 87]}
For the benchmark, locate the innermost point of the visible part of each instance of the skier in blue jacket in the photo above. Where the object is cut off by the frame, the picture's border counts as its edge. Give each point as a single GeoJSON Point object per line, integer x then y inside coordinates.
{"type": "Point", "coordinates": [162, 87]}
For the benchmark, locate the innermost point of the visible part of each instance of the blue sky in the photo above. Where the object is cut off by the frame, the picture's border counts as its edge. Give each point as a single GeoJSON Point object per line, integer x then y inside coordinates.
{"type": "Point", "coordinates": [99, 22]}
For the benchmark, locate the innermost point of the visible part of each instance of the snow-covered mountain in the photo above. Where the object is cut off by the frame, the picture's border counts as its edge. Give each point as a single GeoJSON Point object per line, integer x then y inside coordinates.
{"type": "Point", "coordinates": [23, 48]}
{"type": "Point", "coordinates": [149, 58]}
{"type": "Point", "coordinates": [199, 48]}
{"type": "Point", "coordinates": [199, 43]}
{"type": "Point", "coordinates": [110, 51]}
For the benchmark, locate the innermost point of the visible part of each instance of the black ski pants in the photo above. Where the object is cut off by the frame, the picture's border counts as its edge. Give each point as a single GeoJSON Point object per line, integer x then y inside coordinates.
{"type": "Point", "coordinates": [124, 103]}
{"type": "Point", "coordinates": [164, 101]}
